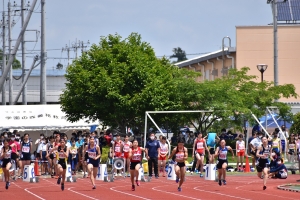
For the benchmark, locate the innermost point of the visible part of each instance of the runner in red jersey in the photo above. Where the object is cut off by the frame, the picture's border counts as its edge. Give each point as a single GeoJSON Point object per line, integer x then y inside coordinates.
{"type": "Point", "coordinates": [135, 155]}
{"type": "Point", "coordinates": [162, 156]}
{"type": "Point", "coordinates": [127, 145]}
{"type": "Point", "coordinates": [117, 149]}
{"type": "Point", "coordinates": [199, 148]}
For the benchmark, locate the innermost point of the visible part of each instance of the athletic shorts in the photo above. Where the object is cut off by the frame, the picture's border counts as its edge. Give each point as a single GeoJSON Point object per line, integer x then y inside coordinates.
{"type": "Point", "coordinates": [62, 163]}
{"type": "Point", "coordinates": [200, 154]}
{"type": "Point", "coordinates": [118, 155]}
{"type": "Point", "coordinates": [241, 153]}
{"type": "Point", "coordinates": [133, 165]}
{"type": "Point", "coordinates": [291, 151]}
{"type": "Point", "coordinates": [262, 163]}
{"type": "Point", "coordinates": [51, 156]}
{"type": "Point", "coordinates": [44, 154]}
{"type": "Point", "coordinates": [181, 164]}
{"type": "Point", "coordinates": [95, 163]}
{"type": "Point", "coordinates": [25, 156]}
{"type": "Point", "coordinates": [220, 163]}
{"type": "Point", "coordinates": [126, 155]}
{"type": "Point", "coordinates": [5, 162]}
{"type": "Point", "coordinates": [86, 155]}
{"type": "Point", "coordinates": [212, 151]}
{"type": "Point", "coordinates": [14, 156]}
{"type": "Point", "coordinates": [162, 158]}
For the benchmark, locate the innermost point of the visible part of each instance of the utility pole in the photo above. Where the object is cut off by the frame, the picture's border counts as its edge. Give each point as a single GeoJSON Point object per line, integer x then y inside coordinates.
{"type": "Point", "coordinates": [3, 55]}
{"type": "Point", "coordinates": [43, 56]}
{"type": "Point", "coordinates": [24, 94]}
{"type": "Point", "coordinates": [67, 49]}
{"type": "Point", "coordinates": [10, 79]}
{"type": "Point", "coordinates": [275, 31]}
{"type": "Point", "coordinates": [17, 44]}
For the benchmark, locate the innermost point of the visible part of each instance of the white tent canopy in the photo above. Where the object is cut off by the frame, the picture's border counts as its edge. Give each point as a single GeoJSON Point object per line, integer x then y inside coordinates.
{"type": "Point", "coordinates": [37, 117]}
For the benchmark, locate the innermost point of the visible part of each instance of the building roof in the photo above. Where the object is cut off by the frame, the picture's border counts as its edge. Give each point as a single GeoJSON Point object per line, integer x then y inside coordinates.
{"type": "Point", "coordinates": [205, 57]}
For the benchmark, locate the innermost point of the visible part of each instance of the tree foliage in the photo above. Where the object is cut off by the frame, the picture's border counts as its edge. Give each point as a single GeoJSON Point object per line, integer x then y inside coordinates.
{"type": "Point", "coordinates": [295, 128]}
{"type": "Point", "coordinates": [234, 98]}
{"type": "Point", "coordinates": [179, 54]}
{"type": "Point", "coordinates": [119, 79]}
{"type": "Point", "coordinates": [16, 63]}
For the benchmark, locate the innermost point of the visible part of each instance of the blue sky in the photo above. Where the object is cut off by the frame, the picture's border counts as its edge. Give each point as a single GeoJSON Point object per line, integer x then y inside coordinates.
{"type": "Point", "coordinates": [197, 26]}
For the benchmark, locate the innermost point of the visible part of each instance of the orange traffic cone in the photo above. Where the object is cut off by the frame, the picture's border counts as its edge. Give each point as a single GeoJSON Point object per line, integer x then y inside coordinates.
{"type": "Point", "coordinates": [247, 167]}
{"type": "Point", "coordinates": [36, 168]}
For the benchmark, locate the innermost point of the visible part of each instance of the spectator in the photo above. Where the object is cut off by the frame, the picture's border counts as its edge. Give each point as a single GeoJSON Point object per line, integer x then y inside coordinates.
{"type": "Point", "coordinates": [152, 150]}
{"type": "Point", "coordinates": [95, 135]}
{"type": "Point", "coordinates": [108, 136]}
{"type": "Point", "coordinates": [190, 138]}
{"type": "Point", "coordinates": [283, 135]}
{"type": "Point", "coordinates": [254, 144]}
{"type": "Point", "coordinates": [174, 139]}
{"type": "Point", "coordinates": [223, 134]}
{"type": "Point", "coordinates": [73, 156]}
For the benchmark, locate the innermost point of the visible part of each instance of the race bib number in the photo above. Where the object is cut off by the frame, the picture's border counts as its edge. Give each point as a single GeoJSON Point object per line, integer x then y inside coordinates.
{"type": "Point", "coordinates": [7, 156]}
{"type": "Point", "coordinates": [179, 156]}
{"type": "Point", "coordinates": [200, 145]}
{"type": "Point", "coordinates": [61, 155]}
{"type": "Point", "coordinates": [223, 156]}
{"type": "Point", "coordinates": [25, 149]}
{"type": "Point", "coordinates": [291, 146]}
{"type": "Point", "coordinates": [136, 157]}
{"type": "Point", "coordinates": [92, 154]}
{"type": "Point", "coordinates": [126, 148]}
{"type": "Point", "coordinates": [266, 155]}
{"type": "Point", "coordinates": [275, 144]}
{"type": "Point", "coordinates": [241, 146]}
{"type": "Point", "coordinates": [117, 149]}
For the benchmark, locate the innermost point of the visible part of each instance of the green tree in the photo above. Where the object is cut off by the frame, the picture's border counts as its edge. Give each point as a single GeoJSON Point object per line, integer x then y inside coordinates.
{"type": "Point", "coordinates": [179, 54]}
{"type": "Point", "coordinates": [233, 98]}
{"type": "Point", "coordinates": [16, 64]}
{"type": "Point", "coordinates": [119, 79]}
{"type": "Point", "coordinates": [295, 128]}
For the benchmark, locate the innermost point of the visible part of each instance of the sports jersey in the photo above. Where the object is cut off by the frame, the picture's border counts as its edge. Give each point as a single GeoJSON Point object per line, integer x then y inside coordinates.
{"type": "Point", "coordinates": [136, 155]}
{"type": "Point", "coordinates": [240, 146]}
{"type": "Point", "coordinates": [200, 145]}
{"type": "Point", "coordinates": [222, 153]}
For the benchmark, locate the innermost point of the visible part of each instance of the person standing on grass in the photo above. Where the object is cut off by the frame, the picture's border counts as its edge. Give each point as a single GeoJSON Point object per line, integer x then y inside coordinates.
{"type": "Point", "coordinates": [73, 157]}
{"type": "Point", "coordinates": [152, 151]}
{"type": "Point", "coordinates": [94, 155]}
{"type": "Point", "coordinates": [51, 156]}
{"type": "Point", "coordinates": [276, 144]}
{"type": "Point", "coordinates": [282, 135]}
{"type": "Point", "coordinates": [43, 154]}
{"type": "Point", "coordinates": [5, 156]}
{"type": "Point", "coordinates": [254, 144]}
{"type": "Point", "coordinates": [263, 153]}
{"type": "Point", "coordinates": [181, 155]}
{"type": "Point", "coordinates": [240, 152]}
{"type": "Point", "coordinates": [163, 153]}
{"type": "Point", "coordinates": [135, 156]}
{"type": "Point", "coordinates": [221, 153]}
{"type": "Point", "coordinates": [63, 153]}
{"type": "Point", "coordinates": [199, 148]}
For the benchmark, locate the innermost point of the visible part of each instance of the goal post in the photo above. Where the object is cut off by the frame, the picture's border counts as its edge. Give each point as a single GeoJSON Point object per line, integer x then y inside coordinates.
{"type": "Point", "coordinates": [147, 115]}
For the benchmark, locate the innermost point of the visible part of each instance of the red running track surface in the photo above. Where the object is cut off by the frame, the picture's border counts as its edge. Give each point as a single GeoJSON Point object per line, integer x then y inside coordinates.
{"type": "Point", "coordinates": [238, 187]}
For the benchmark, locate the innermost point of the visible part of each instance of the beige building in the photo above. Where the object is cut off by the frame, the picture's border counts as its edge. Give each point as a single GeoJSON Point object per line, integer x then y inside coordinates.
{"type": "Point", "coordinates": [254, 45]}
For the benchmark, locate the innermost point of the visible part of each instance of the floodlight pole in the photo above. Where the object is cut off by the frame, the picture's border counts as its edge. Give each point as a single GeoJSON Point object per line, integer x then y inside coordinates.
{"type": "Point", "coordinates": [275, 31]}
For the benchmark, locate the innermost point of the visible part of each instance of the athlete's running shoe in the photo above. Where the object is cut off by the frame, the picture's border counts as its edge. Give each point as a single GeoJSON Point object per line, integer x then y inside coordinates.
{"type": "Point", "coordinates": [201, 175]}
{"type": "Point", "coordinates": [58, 180]}
{"type": "Point", "coordinates": [62, 187]}
{"type": "Point", "coordinates": [220, 182]}
{"type": "Point", "coordinates": [179, 189]}
{"type": "Point", "coordinates": [177, 179]}
{"type": "Point", "coordinates": [94, 187]}
{"type": "Point", "coordinates": [137, 183]}
{"type": "Point", "coordinates": [133, 188]}
{"type": "Point", "coordinates": [224, 182]}
{"type": "Point", "coordinates": [128, 175]}
{"type": "Point", "coordinates": [6, 185]}
{"type": "Point", "coordinates": [265, 187]}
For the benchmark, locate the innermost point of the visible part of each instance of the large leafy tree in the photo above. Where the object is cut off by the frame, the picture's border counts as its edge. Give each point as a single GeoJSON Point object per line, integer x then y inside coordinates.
{"type": "Point", "coordinates": [16, 64]}
{"type": "Point", "coordinates": [296, 124]}
{"type": "Point", "coordinates": [119, 79]}
{"type": "Point", "coordinates": [233, 98]}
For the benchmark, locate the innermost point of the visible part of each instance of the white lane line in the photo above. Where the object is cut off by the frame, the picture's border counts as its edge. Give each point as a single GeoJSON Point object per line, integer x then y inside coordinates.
{"type": "Point", "coordinates": [27, 190]}
{"type": "Point", "coordinates": [173, 193]}
{"type": "Point", "coordinates": [113, 189]}
{"type": "Point", "coordinates": [231, 196]}
{"type": "Point", "coordinates": [282, 197]}
{"type": "Point", "coordinates": [82, 194]}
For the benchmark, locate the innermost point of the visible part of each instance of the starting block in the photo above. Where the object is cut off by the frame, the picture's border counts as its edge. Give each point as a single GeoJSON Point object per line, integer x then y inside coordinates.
{"type": "Point", "coordinates": [69, 177]}
{"type": "Point", "coordinates": [34, 180]}
{"type": "Point", "coordinates": [110, 180]}
{"type": "Point", "coordinates": [171, 172]}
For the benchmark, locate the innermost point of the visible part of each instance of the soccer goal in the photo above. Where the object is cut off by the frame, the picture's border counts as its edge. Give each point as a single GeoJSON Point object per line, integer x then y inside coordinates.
{"type": "Point", "coordinates": [147, 115]}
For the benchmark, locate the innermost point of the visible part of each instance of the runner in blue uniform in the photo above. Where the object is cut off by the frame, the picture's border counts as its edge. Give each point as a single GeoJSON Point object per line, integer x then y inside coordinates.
{"type": "Point", "coordinates": [221, 153]}
{"type": "Point", "coordinates": [6, 161]}
{"type": "Point", "coordinates": [263, 153]}
{"type": "Point", "coordinates": [26, 146]}
{"type": "Point", "coordinates": [94, 154]}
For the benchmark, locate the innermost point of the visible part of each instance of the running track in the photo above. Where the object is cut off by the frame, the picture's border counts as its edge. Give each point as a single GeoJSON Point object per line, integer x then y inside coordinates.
{"type": "Point", "coordinates": [238, 187]}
